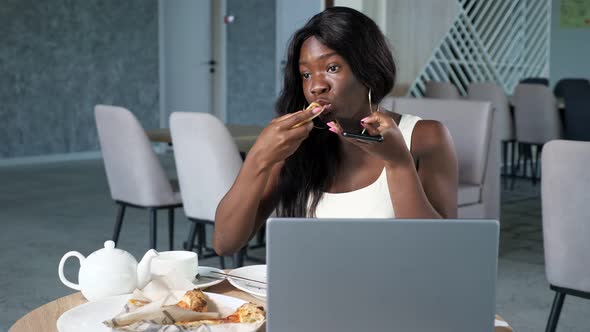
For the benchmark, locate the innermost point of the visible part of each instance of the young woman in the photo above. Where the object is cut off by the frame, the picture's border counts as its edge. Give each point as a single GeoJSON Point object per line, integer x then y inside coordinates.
{"type": "Point", "coordinates": [341, 61]}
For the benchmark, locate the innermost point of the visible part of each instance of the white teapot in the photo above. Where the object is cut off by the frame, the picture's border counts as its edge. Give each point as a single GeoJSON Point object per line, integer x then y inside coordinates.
{"type": "Point", "coordinates": [108, 272]}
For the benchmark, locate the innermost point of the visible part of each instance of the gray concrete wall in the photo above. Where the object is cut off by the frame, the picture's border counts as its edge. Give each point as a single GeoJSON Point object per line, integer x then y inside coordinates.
{"type": "Point", "coordinates": [60, 58]}
{"type": "Point", "coordinates": [570, 49]}
{"type": "Point", "coordinates": [251, 62]}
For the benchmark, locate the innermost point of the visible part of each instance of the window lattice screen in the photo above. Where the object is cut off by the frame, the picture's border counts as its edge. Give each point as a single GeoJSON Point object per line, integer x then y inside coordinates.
{"type": "Point", "coordinates": [491, 40]}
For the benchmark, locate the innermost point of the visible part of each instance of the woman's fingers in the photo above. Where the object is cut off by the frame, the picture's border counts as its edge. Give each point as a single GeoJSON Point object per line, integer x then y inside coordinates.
{"type": "Point", "coordinates": [334, 127]}
{"type": "Point", "coordinates": [284, 117]}
{"type": "Point", "coordinates": [374, 118]}
{"type": "Point", "coordinates": [371, 129]}
{"type": "Point", "coordinates": [298, 119]}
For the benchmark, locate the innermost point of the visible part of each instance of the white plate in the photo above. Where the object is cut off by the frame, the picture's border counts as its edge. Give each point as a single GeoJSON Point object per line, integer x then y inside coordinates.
{"type": "Point", "coordinates": [88, 317]}
{"type": "Point", "coordinates": [204, 282]}
{"type": "Point", "coordinates": [255, 272]}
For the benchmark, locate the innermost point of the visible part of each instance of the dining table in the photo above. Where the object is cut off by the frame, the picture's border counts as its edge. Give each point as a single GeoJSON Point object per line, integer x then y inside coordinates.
{"type": "Point", "coordinates": [244, 135]}
{"type": "Point", "coordinates": [44, 318]}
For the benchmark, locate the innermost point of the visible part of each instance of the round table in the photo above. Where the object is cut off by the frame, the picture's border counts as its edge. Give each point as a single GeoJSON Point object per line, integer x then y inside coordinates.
{"type": "Point", "coordinates": [44, 318]}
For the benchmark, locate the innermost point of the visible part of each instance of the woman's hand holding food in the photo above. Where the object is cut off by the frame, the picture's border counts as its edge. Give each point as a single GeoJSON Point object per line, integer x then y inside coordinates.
{"type": "Point", "coordinates": [392, 149]}
{"type": "Point", "coordinates": [282, 137]}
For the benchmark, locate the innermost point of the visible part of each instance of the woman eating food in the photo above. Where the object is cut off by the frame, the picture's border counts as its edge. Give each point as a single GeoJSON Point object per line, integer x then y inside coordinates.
{"type": "Point", "coordinates": [343, 156]}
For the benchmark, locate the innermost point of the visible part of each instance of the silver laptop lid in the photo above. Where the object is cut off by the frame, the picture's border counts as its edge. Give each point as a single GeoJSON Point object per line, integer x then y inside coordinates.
{"type": "Point", "coordinates": [381, 275]}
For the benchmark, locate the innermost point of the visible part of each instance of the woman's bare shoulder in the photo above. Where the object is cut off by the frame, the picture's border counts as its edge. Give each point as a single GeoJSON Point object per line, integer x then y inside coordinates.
{"type": "Point", "coordinates": [429, 136]}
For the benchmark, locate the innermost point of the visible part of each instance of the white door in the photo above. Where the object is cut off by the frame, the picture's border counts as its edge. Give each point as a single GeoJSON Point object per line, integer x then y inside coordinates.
{"type": "Point", "coordinates": [290, 16]}
{"type": "Point", "coordinates": [186, 61]}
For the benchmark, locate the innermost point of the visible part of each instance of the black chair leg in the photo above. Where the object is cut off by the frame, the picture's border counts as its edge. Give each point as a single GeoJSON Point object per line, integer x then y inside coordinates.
{"type": "Point", "coordinates": [201, 239]}
{"type": "Point", "coordinates": [534, 163]}
{"type": "Point", "coordinates": [525, 153]}
{"type": "Point", "coordinates": [239, 257]}
{"type": "Point", "coordinates": [171, 228]}
{"type": "Point", "coordinates": [512, 156]}
{"type": "Point", "coordinates": [192, 234]}
{"type": "Point", "coordinates": [555, 312]}
{"type": "Point", "coordinates": [504, 169]}
{"type": "Point", "coordinates": [504, 158]}
{"type": "Point", "coordinates": [530, 163]}
{"type": "Point", "coordinates": [516, 167]}
{"type": "Point", "coordinates": [153, 228]}
{"type": "Point", "coordinates": [537, 161]}
{"type": "Point", "coordinates": [517, 153]}
{"type": "Point", "coordinates": [260, 236]}
{"type": "Point", "coordinates": [222, 262]}
{"type": "Point", "coordinates": [118, 222]}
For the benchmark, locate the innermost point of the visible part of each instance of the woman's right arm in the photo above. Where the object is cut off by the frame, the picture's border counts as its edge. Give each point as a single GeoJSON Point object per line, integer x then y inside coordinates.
{"type": "Point", "coordinates": [253, 196]}
{"type": "Point", "coordinates": [245, 207]}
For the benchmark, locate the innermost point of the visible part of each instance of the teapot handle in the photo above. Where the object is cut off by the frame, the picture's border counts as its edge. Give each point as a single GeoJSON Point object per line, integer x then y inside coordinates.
{"type": "Point", "coordinates": [62, 277]}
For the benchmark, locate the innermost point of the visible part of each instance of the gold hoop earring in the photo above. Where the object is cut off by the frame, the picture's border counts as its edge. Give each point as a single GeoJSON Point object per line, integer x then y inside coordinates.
{"type": "Point", "coordinates": [370, 102]}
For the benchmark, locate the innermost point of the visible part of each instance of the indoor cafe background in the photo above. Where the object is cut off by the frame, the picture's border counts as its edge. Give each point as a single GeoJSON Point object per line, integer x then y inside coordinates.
{"type": "Point", "coordinates": [60, 58]}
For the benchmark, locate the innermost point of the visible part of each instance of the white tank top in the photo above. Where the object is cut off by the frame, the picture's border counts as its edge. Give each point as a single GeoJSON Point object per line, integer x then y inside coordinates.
{"type": "Point", "coordinates": [373, 201]}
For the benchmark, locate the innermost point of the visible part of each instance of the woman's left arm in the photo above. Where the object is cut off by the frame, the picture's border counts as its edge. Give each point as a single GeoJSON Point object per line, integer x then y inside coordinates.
{"type": "Point", "coordinates": [422, 182]}
{"type": "Point", "coordinates": [425, 185]}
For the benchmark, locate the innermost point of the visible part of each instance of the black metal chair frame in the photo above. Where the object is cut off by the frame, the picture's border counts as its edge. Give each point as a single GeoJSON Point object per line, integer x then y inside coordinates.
{"type": "Point", "coordinates": [198, 232]}
{"type": "Point", "coordinates": [508, 161]}
{"type": "Point", "coordinates": [560, 293]}
{"type": "Point", "coordinates": [153, 210]}
{"type": "Point", "coordinates": [525, 151]}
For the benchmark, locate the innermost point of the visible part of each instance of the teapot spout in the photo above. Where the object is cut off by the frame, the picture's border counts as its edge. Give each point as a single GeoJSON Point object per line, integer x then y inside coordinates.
{"type": "Point", "coordinates": [143, 268]}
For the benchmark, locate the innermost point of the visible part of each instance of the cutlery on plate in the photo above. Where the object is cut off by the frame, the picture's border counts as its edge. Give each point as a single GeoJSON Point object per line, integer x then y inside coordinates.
{"type": "Point", "coordinates": [200, 276]}
{"type": "Point", "coordinates": [227, 275]}
{"type": "Point", "coordinates": [262, 287]}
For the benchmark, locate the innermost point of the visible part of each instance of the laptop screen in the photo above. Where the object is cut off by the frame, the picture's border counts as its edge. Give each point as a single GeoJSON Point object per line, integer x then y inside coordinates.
{"type": "Point", "coordinates": [381, 275]}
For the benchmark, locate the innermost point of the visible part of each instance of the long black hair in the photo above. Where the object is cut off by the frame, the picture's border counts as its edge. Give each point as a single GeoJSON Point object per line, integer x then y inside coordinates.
{"type": "Point", "coordinates": [311, 169]}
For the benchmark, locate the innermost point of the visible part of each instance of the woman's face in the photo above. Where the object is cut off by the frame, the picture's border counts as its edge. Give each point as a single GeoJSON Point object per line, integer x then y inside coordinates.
{"type": "Point", "coordinates": [328, 79]}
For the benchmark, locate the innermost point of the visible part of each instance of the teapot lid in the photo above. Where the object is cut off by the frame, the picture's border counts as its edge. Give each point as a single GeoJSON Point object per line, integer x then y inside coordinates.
{"type": "Point", "coordinates": [110, 252]}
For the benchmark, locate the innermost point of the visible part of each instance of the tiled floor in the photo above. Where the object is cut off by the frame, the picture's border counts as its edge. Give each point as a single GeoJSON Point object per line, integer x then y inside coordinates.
{"type": "Point", "coordinates": [49, 209]}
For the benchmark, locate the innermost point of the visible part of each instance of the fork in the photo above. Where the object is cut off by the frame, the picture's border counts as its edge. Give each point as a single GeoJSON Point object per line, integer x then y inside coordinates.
{"type": "Point", "coordinates": [227, 275]}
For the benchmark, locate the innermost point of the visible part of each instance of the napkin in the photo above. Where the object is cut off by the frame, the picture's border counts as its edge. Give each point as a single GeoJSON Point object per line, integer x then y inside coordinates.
{"type": "Point", "coordinates": [158, 315]}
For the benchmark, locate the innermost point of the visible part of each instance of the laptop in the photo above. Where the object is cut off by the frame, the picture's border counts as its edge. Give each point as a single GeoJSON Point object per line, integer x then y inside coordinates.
{"type": "Point", "coordinates": [381, 275]}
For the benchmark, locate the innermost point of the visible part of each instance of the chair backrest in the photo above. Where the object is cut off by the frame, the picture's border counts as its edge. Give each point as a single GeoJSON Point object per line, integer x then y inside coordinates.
{"type": "Point", "coordinates": [134, 172]}
{"type": "Point", "coordinates": [535, 80]}
{"type": "Point", "coordinates": [566, 213]}
{"type": "Point", "coordinates": [536, 115]}
{"type": "Point", "coordinates": [441, 90]}
{"type": "Point", "coordinates": [567, 86]}
{"type": "Point", "coordinates": [207, 161]}
{"type": "Point", "coordinates": [469, 123]}
{"type": "Point", "coordinates": [576, 96]}
{"type": "Point", "coordinates": [488, 91]}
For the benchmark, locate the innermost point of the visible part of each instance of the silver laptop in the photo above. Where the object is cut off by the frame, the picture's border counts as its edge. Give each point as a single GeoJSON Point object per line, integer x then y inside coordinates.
{"type": "Point", "coordinates": [381, 275]}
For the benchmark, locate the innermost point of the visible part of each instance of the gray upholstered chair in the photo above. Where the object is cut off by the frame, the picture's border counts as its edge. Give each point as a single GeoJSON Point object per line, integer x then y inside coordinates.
{"type": "Point", "coordinates": [207, 163]}
{"type": "Point", "coordinates": [536, 118]}
{"type": "Point", "coordinates": [566, 221]}
{"type": "Point", "coordinates": [470, 124]}
{"type": "Point", "coordinates": [134, 173]}
{"type": "Point", "coordinates": [503, 118]}
{"type": "Point", "coordinates": [535, 80]}
{"type": "Point", "coordinates": [441, 90]}
{"type": "Point", "coordinates": [576, 95]}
